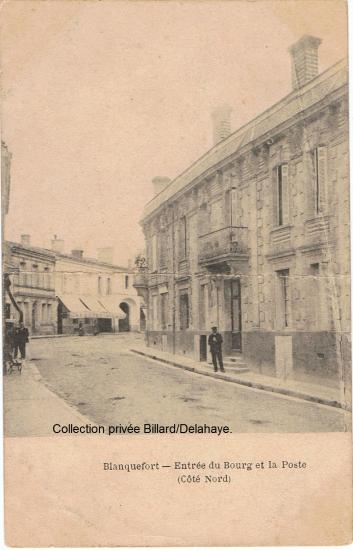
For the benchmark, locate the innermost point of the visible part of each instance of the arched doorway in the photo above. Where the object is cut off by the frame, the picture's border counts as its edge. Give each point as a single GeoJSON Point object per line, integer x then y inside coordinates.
{"type": "Point", "coordinates": [124, 324]}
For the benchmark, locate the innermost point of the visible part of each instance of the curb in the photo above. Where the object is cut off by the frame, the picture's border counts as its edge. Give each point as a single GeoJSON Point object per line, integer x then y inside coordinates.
{"type": "Point", "coordinates": [41, 336]}
{"type": "Point", "coordinates": [34, 372]}
{"type": "Point", "coordinates": [250, 384]}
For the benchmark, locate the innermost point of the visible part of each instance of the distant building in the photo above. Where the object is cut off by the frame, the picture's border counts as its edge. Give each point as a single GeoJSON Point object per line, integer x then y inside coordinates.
{"type": "Point", "coordinates": [32, 284]}
{"type": "Point", "coordinates": [94, 293]}
{"type": "Point", "coordinates": [254, 236]}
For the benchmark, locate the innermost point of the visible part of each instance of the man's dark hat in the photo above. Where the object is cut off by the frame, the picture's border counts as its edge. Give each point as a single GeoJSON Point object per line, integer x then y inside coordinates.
{"type": "Point", "coordinates": [213, 327]}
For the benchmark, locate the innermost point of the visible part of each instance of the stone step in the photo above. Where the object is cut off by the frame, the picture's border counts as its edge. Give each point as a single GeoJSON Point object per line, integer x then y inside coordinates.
{"type": "Point", "coordinates": [234, 358]}
{"type": "Point", "coordinates": [236, 369]}
{"type": "Point", "coordinates": [234, 364]}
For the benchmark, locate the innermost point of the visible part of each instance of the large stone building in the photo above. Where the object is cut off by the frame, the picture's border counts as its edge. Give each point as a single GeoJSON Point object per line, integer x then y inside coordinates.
{"type": "Point", "coordinates": [94, 293]}
{"type": "Point", "coordinates": [254, 236]}
{"type": "Point", "coordinates": [32, 284]}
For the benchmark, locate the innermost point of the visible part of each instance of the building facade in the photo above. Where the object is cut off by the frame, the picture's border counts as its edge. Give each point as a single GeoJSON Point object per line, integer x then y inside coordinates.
{"type": "Point", "coordinates": [32, 285]}
{"type": "Point", "coordinates": [94, 294]}
{"type": "Point", "coordinates": [254, 236]}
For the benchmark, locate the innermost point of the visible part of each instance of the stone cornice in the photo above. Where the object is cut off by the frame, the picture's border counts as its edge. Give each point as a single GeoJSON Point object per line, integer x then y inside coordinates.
{"type": "Point", "coordinates": [301, 103]}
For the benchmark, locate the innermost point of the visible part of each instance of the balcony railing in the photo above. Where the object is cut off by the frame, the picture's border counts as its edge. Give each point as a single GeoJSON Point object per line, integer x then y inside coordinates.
{"type": "Point", "coordinates": [223, 244]}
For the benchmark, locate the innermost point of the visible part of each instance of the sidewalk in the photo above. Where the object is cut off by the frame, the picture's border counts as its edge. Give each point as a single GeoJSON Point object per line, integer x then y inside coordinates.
{"type": "Point", "coordinates": [30, 408]}
{"type": "Point", "coordinates": [315, 393]}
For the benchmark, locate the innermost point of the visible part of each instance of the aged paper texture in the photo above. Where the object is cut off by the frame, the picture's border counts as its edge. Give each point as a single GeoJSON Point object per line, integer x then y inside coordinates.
{"type": "Point", "coordinates": [176, 273]}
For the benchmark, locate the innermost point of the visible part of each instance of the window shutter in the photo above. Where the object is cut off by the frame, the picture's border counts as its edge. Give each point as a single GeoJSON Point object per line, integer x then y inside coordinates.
{"type": "Point", "coordinates": [285, 194]}
{"type": "Point", "coordinates": [274, 196]}
{"type": "Point", "coordinates": [233, 207]}
{"type": "Point", "coordinates": [322, 175]}
{"type": "Point", "coordinates": [154, 253]}
{"type": "Point", "coordinates": [163, 249]}
{"type": "Point", "coordinates": [182, 238]}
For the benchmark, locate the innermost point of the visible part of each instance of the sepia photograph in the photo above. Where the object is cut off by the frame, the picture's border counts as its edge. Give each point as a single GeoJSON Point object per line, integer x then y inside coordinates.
{"type": "Point", "coordinates": [175, 223]}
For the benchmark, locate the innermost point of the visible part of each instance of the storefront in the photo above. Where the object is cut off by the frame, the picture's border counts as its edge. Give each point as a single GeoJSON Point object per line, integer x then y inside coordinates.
{"type": "Point", "coordinates": [88, 315]}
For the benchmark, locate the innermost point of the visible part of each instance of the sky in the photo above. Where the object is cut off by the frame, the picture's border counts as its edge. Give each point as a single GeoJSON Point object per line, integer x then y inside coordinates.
{"type": "Point", "coordinates": [99, 97]}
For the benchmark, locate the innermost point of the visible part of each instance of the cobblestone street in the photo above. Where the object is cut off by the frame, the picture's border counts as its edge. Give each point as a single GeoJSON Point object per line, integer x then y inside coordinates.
{"type": "Point", "coordinates": [105, 382]}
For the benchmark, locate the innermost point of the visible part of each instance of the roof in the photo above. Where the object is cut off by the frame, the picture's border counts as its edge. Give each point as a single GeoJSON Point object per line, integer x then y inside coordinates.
{"type": "Point", "coordinates": [34, 250]}
{"type": "Point", "coordinates": [52, 255]}
{"type": "Point", "coordinates": [287, 108]}
{"type": "Point", "coordinates": [92, 261]}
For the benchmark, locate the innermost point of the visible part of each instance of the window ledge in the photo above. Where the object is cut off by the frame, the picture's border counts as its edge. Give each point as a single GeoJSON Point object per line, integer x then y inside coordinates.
{"type": "Point", "coordinates": [286, 227]}
{"type": "Point", "coordinates": [318, 217]}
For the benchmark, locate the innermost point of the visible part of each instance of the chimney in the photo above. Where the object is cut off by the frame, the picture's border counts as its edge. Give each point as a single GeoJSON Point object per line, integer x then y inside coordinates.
{"type": "Point", "coordinates": [221, 123]}
{"type": "Point", "coordinates": [159, 183]}
{"type": "Point", "coordinates": [305, 65]}
{"type": "Point", "coordinates": [77, 253]}
{"type": "Point", "coordinates": [57, 245]}
{"type": "Point", "coordinates": [26, 240]}
{"type": "Point", "coordinates": [106, 254]}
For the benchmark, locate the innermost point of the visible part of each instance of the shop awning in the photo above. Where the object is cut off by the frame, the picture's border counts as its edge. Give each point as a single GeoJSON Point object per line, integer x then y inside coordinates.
{"type": "Point", "coordinates": [74, 305]}
{"type": "Point", "coordinates": [92, 306]}
{"type": "Point", "coordinates": [111, 303]}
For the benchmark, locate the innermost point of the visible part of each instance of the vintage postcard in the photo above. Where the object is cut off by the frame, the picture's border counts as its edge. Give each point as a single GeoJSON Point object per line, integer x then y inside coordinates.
{"type": "Point", "coordinates": [176, 273]}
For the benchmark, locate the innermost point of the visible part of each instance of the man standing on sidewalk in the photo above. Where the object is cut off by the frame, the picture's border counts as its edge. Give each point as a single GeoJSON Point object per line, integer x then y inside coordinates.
{"type": "Point", "coordinates": [215, 342]}
{"type": "Point", "coordinates": [20, 341]}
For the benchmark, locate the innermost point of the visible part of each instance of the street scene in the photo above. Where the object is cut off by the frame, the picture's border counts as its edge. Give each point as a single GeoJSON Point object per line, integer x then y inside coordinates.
{"type": "Point", "coordinates": [176, 271]}
{"type": "Point", "coordinates": [106, 383]}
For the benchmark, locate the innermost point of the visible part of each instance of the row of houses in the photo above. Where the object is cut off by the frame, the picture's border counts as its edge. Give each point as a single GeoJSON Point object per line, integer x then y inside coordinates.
{"type": "Point", "coordinates": [61, 293]}
{"type": "Point", "coordinates": [254, 236]}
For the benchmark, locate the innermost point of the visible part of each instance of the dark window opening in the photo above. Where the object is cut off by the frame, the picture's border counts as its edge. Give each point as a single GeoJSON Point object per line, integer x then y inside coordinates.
{"type": "Point", "coordinates": [280, 195]}
{"type": "Point", "coordinates": [184, 311]}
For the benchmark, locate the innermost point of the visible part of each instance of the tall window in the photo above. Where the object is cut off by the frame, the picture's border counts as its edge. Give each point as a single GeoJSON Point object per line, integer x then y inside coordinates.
{"type": "Point", "coordinates": [163, 249]}
{"type": "Point", "coordinates": [184, 310]}
{"type": "Point", "coordinates": [46, 277]}
{"type": "Point", "coordinates": [164, 310]}
{"type": "Point", "coordinates": [282, 194]}
{"type": "Point", "coordinates": [99, 285]}
{"type": "Point", "coordinates": [318, 157]}
{"type": "Point", "coordinates": [283, 277]}
{"type": "Point", "coordinates": [126, 281]}
{"type": "Point", "coordinates": [109, 286]}
{"type": "Point", "coordinates": [182, 238]}
{"type": "Point", "coordinates": [233, 207]}
{"type": "Point", "coordinates": [35, 276]}
{"type": "Point", "coordinates": [154, 253]}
